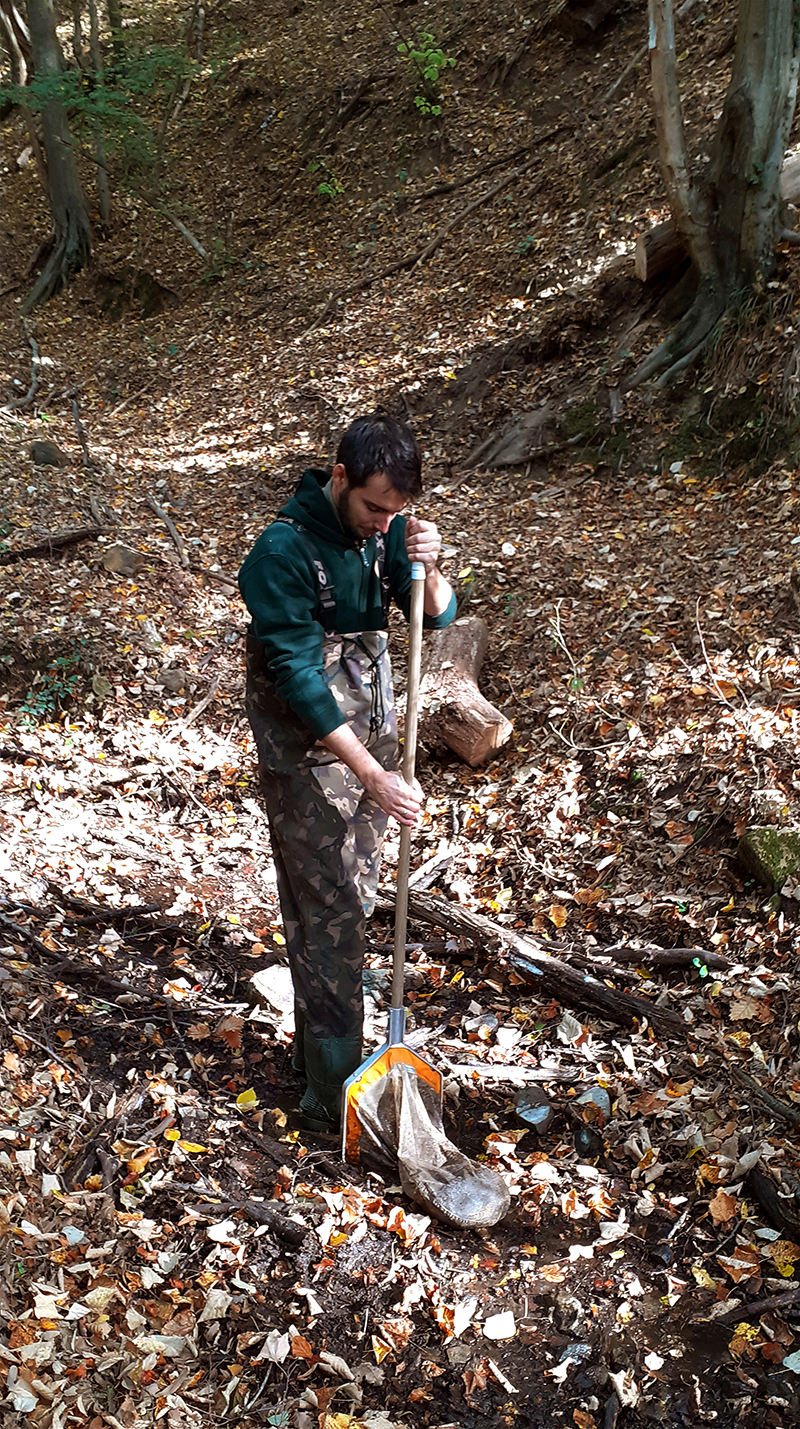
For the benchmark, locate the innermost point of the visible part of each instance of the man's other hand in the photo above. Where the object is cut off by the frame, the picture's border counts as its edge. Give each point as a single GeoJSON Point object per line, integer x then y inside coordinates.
{"type": "Point", "coordinates": [423, 542]}
{"type": "Point", "coordinates": [391, 793]}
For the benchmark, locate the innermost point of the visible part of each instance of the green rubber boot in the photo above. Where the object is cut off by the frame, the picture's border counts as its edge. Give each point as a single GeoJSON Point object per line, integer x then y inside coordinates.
{"type": "Point", "coordinates": [298, 1047]}
{"type": "Point", "coordinates": [329, 1062]}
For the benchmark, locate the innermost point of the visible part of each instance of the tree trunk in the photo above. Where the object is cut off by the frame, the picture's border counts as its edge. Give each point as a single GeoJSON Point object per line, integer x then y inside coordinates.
{"type": "Point", "coordinates": [731, 220]}
{"type": "Point", "coordinates": [456, 714]}
{"type": "Point", "coordinates": [16, 40]}
{"type": "Point", "coordinates": [103, 187]}
{"type": "Point", "coordinates": [73, 238]}
{"type": "Point", "coordinates": [115, 26]}
{"type": "Point", "coordinates": [661, 248]}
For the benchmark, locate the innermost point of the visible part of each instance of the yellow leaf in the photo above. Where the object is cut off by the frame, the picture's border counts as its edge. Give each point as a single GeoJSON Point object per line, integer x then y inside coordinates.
{"type": "Point", "coordinates": [172, 1135]}
{"type": "Point", "coordinates": [191, 1146]}
{"type": "Point", "coordinates": [558, 915]}
{"type": "Point", "coordinates": [247, 1098]}
{"type": "Point", "coordinates": [380, 1349]}
{"type": "Point", "coordinates": [703, 1278]}
{"type": "Point", "coordinates": [156, 717]}
{"type": "Point", "coordinates": [279, 939]}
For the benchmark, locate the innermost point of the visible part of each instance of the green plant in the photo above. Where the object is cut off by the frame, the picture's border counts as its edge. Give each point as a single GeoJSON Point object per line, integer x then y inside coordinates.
{"type": "Point", "coordinates": [430, 61]}
{"type": "Point", "coordinates": [53, 686]}
{"type": "Point", "coordinates": [330, 186]}
{"type": "Point", "coordinates": [108, 101]}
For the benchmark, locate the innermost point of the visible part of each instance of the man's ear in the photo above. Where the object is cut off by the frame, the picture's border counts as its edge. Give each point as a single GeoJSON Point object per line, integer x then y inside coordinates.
{"type": "Point", "coordinates": [339, 481]}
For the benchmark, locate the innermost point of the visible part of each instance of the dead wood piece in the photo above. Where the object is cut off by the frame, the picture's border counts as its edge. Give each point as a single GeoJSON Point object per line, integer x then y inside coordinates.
{"type": "Point", "coordinates": [81, 431]}
{"type": "Point", "coordinates": [69, 967]}
{"type": "Point", "coordinates": [422, 254]}
{"type": "Point", "coordinates": [264, 1213]}
{"type": "Point", "coordinates": [581, 22]}
{"type": "Point", "coordinates": [789, 1113]}
{"type": "Point", "coordinates": [21, 403]}
{"type": "Point", "coordinates": [760, 1307]}
{"type": "Point", "coordinates": [456, 713]}
{"type": "Point", "coordinates": [172, 528]}
{"type": "Point", "coordinates": [659, 250]}
{"type": "Point", "coordinates": [264, 1144]}
{"type": "Point", "coordinates": [51, 544]}
{"type": "Point", "coordinates": [551, 976]}
{"type": "Point", "coordinates": [661, 957]}
{"type": "Point", "coordinates": [782, 1211]}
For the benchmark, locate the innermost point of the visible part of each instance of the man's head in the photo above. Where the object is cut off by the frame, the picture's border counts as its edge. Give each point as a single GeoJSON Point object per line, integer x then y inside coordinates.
{"type": "Point", "coordinates": [377, 472]}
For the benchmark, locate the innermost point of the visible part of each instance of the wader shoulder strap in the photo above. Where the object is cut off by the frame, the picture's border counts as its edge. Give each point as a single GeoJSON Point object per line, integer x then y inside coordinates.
{"type": "Point", "coordinates": [326, 602]}
{"type": "Point", "coordinates": [326, 596]}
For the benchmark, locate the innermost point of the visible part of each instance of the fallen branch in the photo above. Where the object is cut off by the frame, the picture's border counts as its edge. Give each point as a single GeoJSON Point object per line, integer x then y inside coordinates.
{"type": "Point", "coordinates": [637, 60]}
{"type": "Point", "coordinates": [57, 964]}
{"type": "Point", "coordinates": [439, 189]}
{"type": "Point", "coordinates": [262, 1212]}
{"type": "Point", "coordinates": [789, 1113]}
{"type": "Point", "coordinates": [554, 978]}
{"type": "Point", "coordinates": [411, 260]}
{"type": "Point", "coordinates": [171, 527]}
{"type": "Point", "coordinates": [198, 709]}
{"type": "Point", "coordinates": [97, 911]}
{"type": "Point", "coordinates": [778, 1209]}
{"type": "Point", "coordinates": [759, 1307]}
{"type": "Point", "coordinates": [22, 402]}
{"type": "Point", "coordinates": [661, 957]}
{"type": "Point", "coordinates": [181, 227]}
{"type": "Point", "coordinates": [51, 544]}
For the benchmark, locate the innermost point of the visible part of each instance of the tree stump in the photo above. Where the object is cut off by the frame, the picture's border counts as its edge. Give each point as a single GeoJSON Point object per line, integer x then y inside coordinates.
{"type": "Point", "coordinates": [454, 712]}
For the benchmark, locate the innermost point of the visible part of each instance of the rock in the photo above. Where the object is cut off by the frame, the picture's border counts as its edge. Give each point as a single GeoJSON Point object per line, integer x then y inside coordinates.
{"type": "Point", "coordinates": [122, 560]}
{"type": "Point", "coordinates": [102, 687]}
{"type": "Point", "coordinates": [596, 1097]}
{"type": "Point", "coordinates": [173, 680]}
{"type": "Point", "coordinates": [770, 855]}
{"type": "Point", "coordinates": [533, 1107]}
{"type": "Point", "coordinates": [48, 454]}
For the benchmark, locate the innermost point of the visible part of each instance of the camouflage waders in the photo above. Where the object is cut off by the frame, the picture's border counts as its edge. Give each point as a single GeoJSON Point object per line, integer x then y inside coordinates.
{"type": "Point", "coordinates": [326, 839]}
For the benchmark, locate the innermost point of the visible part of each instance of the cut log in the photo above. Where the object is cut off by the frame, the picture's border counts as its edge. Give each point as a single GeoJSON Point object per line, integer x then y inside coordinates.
{"type": "Point", "coordinates": [661, 248]}
{"type": "Point", "coordinates": [455, 713]}
{"type": "Point", "coordinates": [658, 251]}
{"type": "Point", "coordinates": [548, 975]}
{"type": "Point", "coordinates": [581, 19]}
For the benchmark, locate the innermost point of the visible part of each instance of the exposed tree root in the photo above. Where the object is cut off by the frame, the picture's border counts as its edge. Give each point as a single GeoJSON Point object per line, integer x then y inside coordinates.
{"type": "Point", "coordinates": [70, 253]}
{"type": "Point", "coordinates": [684, 343]}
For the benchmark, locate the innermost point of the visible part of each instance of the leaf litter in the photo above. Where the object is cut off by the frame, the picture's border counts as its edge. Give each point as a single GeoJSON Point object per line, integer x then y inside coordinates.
{"type": "Point", "coordinates": [172, 1249]}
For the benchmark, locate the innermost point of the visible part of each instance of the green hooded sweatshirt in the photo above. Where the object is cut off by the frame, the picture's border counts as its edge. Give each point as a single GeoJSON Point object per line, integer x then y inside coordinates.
{"type": "Point", "coordinates": [279, 584]}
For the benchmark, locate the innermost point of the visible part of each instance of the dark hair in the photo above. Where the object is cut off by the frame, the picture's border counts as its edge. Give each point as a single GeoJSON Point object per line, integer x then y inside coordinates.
{"type": "Point", "coordinates": [380, 444]}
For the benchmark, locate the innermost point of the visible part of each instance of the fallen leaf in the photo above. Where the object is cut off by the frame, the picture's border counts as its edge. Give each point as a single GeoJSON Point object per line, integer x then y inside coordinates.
{"type": "Point", "coordinates": [722, 1207]}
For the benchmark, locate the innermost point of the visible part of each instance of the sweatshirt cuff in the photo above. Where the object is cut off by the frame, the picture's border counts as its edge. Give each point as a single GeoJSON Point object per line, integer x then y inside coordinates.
{"type": "Point", "coordinates": [437, 622]}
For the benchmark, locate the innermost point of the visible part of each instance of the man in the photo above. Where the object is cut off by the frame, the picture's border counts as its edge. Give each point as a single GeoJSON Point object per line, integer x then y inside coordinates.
{"type": "Point", "coordinates": [320, 702]}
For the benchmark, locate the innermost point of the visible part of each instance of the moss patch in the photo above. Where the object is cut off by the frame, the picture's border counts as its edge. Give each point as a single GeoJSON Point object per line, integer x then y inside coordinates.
{"type": "Point", "coordinates": [770, 855]}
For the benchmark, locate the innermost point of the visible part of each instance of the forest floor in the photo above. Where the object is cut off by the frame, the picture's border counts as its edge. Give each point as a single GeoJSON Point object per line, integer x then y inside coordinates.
{"type": "Point", "coordinates": [173, 1248]}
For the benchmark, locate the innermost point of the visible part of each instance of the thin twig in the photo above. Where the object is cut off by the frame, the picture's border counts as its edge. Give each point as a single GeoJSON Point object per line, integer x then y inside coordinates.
{"type": "Point", "coordinates": [714, 680]}
{"type": "Point", "coordinates": [81, 430]}
{"type": "Point", "coordinates": [43, 1047]}
{"type": "Point", "coordinates": [21, 402]}
{"type": "Point", "coordinates": [171, 527]}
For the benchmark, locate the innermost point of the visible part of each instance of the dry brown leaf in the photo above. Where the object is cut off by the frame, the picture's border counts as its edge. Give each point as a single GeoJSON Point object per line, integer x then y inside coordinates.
{"type": "Point", "coordinates": [398, 1331]}
{"type": "Point", "coordinates": [301, 1349]}
{"type": "Point", "coordinates": [722, 1207]}
{"type": "Point", "coordinates": [198, 1031]}
{"type": "Point", "coordinates": [229, 1029]}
